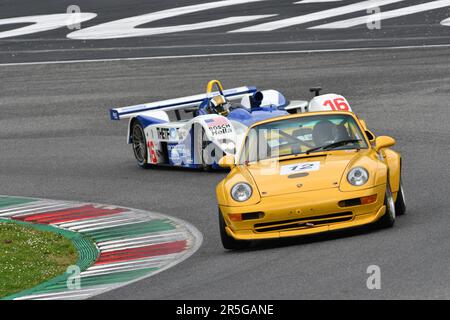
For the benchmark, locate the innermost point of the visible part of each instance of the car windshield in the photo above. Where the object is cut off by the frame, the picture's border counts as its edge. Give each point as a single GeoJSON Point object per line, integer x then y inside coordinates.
{"type": "Point", "coordinates": [302, 135]}
{"type": "Point", "coordinates": [239, 128]}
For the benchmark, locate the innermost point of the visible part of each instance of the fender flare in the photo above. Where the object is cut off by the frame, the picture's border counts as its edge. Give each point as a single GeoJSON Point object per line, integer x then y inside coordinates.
{"type": "Point", "coordinates": [394, 163]}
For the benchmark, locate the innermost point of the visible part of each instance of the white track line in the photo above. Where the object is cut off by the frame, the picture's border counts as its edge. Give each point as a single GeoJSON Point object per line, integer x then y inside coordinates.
{"type": "Point", "coordinates": [315, 1]}
{"type": "Point", "coordinates": [55, 294]}
{"type": "Point", "coordinates": [104, 224]}
{"type": "Point", "coordinates": [27, 212]}
{"type": "Point", "coordinates": [229, 54]}
{"type": "Point", "coordinates": [104, 227]}
{"type": "Point", "coordinates": [384, 15]}
{"type": "Point", "coordinates": [153, 235]}
{"type": "Point", "coordinates": [155, 259]}
{"type": "Point", "coordinates": [143, 243]}
{"type": "Point", "coordinates": [110, 218]}
{"type": "Point", "coordinates": [26, 206]}
{"type": "Point", "coordinates": [320, 15]}
{"type": "Point", "coordinates": [129, 267]}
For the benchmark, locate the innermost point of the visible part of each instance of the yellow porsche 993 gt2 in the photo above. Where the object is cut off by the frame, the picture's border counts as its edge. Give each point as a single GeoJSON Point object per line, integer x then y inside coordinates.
{"type": "Point", "coordinates": [308, 173]}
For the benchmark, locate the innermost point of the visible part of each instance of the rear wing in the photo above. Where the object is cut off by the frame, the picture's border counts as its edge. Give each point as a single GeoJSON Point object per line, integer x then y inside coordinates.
{"type": "Point", "coordinates": [178, 103]}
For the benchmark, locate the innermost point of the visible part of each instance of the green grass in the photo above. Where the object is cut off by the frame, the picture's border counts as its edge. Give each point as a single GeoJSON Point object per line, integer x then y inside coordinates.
{"type": "Point", "coordinates": [29, 257]}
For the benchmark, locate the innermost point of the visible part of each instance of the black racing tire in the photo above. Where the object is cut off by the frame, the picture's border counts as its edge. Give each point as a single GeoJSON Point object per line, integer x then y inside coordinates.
{"type": "Point", "coordinates": [388, 219]}
{"type": "Point", "coordinates": [228, 242]}
{"type": "Point", "coordinates": [139, 144]}
{"type": "Point", "coordinates": [400, 203]}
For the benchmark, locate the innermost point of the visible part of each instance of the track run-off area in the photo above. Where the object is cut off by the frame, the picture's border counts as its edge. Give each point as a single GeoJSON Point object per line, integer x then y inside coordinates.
{"type": "Point", "coordinates": [116, 245]}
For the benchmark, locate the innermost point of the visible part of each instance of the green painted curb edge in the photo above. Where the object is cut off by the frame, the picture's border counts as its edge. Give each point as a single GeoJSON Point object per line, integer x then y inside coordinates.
{"type": "Point", "coordinates": [87, 255]}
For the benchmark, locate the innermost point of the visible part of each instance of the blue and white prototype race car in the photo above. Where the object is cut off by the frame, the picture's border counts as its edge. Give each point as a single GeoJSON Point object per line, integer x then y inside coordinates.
{"type": "Point", "coordinates": [217, 127]}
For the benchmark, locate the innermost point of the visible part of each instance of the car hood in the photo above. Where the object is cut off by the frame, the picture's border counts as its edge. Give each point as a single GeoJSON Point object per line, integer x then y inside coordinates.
{"type": "Point", "coordinates": [302, 174]}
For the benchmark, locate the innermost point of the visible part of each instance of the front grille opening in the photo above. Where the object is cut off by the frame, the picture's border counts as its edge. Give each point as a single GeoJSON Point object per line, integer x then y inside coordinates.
{"type": "Point", "coordinates": [304, 223]}
{"type": "Point", "coordinates": [350, 202]}
{"type": "Point", "coordinates": [252, 215]}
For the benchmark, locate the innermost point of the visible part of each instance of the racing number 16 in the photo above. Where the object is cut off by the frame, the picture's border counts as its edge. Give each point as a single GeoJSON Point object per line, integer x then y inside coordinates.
{"type": "Point", "coordinates": [337, 104]}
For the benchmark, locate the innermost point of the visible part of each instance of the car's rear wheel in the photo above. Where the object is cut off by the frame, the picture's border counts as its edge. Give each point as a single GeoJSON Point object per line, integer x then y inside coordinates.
{"type": "Point", "coordinates": [229, 242]}
{"type": "Point", "coordinates": [388, 219]}
{"type": "Point", "coordinates": [139, 144]}
{"type": "Point", "coordinates": [400, 203]}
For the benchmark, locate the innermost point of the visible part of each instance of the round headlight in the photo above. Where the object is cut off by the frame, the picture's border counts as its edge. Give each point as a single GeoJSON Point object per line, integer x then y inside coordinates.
{"type": "Point", "coordinates": [358, 176]}
{"type": "Point", "coordinates": [241, 191]}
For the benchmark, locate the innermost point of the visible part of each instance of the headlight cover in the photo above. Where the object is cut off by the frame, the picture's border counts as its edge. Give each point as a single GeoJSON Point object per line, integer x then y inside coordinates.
{"type": "Point", "coordinates": [358, 176]}
{"type": "Point", "coordinates": [241, 191]}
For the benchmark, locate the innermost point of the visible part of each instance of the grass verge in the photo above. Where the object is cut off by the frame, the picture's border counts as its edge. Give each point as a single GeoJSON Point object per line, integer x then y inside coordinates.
{"type": "Point", "coordinates": [29, 257]}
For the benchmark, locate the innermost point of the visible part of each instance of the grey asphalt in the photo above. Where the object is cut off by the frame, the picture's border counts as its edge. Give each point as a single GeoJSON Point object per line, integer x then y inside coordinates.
{"type": "Point", "coordinates": [56, 141]}
{"type": "Point", "coordinates": [416, 29]}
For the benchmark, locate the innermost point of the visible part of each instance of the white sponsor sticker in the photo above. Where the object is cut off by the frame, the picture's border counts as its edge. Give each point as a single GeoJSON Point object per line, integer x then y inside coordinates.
{"type": "Point", "coordinates": [300, 167]}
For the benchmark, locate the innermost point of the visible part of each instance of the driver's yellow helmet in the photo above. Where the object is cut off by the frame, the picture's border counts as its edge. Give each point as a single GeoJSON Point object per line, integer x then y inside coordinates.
{"type": "Point", "coordinates": [220, 105]}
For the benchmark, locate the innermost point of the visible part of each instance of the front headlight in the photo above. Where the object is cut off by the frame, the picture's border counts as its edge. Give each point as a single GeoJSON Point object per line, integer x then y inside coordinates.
{"type": "Point", "coordinates": [241, 191]}
{"type": "Point", "coordinates": [358, 176]}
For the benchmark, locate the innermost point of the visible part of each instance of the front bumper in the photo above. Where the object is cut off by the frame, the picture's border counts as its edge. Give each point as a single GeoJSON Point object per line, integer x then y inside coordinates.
{"type": "Point", "coordinates": [304, 213]}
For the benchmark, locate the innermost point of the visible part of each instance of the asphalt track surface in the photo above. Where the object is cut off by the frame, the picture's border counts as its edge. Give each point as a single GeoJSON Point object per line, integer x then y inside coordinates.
{"type": "Point", "coordinates": [421, 28]}
{"type": "Point", "coordinates": [56, 141]}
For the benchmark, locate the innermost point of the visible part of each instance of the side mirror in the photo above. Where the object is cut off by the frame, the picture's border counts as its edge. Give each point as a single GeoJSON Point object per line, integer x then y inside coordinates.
{"type": "Point", "coordinates": [383, 142]}
{"type": "Point", "coordinates": [228, 161]}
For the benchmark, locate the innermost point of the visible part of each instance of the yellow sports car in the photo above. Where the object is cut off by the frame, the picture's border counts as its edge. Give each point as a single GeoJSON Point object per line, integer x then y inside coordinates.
{"type": "Point", "coordinates": [308, 173]}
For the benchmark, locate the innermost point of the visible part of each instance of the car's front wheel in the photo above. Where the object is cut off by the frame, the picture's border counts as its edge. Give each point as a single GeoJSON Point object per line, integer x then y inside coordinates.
{"type": "Point", "coordinates": [139, 144]}
{"type": "Point", "coordinates": [388, 219]}
{"type": "Point", "coordinates": [229, 242]}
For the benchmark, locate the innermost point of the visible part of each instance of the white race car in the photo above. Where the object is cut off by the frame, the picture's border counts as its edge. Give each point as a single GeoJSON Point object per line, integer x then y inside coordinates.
{"type": "Point", "coordinates": [217, 127]}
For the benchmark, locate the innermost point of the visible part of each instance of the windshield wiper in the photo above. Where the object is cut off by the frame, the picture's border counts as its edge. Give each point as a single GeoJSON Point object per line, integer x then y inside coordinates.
{"type": "Point", "coordinates": [333, 145]}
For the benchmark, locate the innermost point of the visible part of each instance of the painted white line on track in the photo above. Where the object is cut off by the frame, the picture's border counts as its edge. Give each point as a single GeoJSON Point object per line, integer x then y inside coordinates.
{"type": "Point", "coordinates": [25, 206]}
{"type": "Point", "coordinates": [229, 54]}
{"type": "Point", "coordinates": [446, 22]}
{"type": "Point", "coordinates": [107, 219]}
{"type": "Point", "coordinates": [140, 244]}
{"type": "Point", "coordinates": [320, 15]}
{"type": "Point", "coordinates": [105, 267]}
{"type": "Point", "coordinates": [102, 223]}
{"type": "Point", "coordinates": [343, 24]}
{"type": "Point", "coordinates": [37, 296]}
{"type": "Point", "coordinates": [130, 27]}
{"type": "Point", "coordinates": [156, 234]}
{"type": "Point", "coordinates": [129, 267]}
{"type": "Point", "coordinates": [215, 45]}
{"type": "Point", "coordinates": [315, 1]}
{"type": "Point", "coordinates": [106, 226]}
{"type": "Point", "coordinates": [155, 259]}
{"type": "Point", "coordinates": [21, 213]}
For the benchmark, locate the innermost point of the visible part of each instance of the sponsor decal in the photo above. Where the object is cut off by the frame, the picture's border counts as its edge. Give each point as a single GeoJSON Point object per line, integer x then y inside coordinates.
{"type": "Point", "coordinates": [179, 154]}
{"type": "Point", "coordinates": [173, 133]}
{"type": "Point", "coordinates": [167, 133]}
{"type": "Point", "coordinates": [300, 167]}
{"type": "Point", "coordinates": [219, 126]}
{"type": "Point", "coordinates": [163, 133]}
